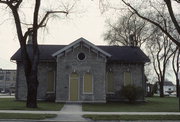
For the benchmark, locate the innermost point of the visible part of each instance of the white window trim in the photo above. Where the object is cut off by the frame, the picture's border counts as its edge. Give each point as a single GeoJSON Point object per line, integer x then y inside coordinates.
{"type": "Point", "coordinates": [70, 85]}
{"type": "Point", "coordinates": [92, 85]}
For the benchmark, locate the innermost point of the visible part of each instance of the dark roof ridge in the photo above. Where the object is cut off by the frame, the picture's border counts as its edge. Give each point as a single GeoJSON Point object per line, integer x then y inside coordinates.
{"type": "Point", "coordinates": [96, 45]}
{"type": "Point", "coordinates": [127, 54]}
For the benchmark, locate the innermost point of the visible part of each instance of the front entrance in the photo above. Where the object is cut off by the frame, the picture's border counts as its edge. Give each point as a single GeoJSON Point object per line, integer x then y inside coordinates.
{"type": "Point", "coordinates": [73, 87]}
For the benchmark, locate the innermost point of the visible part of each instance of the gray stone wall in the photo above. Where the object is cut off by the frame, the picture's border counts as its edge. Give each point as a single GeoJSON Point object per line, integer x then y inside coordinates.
{"type": "Point", "coordinates": [69, 63]}
{"type": "Point", "coordinates": [118, 69]}
{"type": "Point", "coordinates": [21, 87]}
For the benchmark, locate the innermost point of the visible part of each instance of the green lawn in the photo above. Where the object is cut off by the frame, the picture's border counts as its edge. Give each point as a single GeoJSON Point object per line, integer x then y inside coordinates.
{"type": "Point", "coordinates": [153, 104]}
{"type": "Point", "coordinates": [12, 104]}
{"type": "Point", "coordinates": [25, 116]}
{"type": "Point", "coordinates": [133, 117]}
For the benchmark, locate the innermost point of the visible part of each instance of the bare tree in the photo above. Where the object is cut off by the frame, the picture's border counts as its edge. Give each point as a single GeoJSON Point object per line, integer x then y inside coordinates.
{"type": "Point", "coordinates": [171, 32]}
{"type": "Point", "coordinates": [175, 65]}
{"type": "Point", "coordinates": [30, 61]}
{"type": "Point", "coordinates": [128, 28]}
{"type": "Point", "coordinates": [168, 4]}
{"type": "Point", "coordinates": [160, 49]}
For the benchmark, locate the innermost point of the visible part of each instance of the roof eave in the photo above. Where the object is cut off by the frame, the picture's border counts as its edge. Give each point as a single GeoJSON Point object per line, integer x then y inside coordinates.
{"type": "Point", "coordinates": [78, 41]}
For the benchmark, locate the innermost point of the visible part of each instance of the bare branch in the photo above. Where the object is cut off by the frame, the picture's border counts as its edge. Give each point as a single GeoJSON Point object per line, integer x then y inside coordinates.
{"type": "Point", "coordinates": [26, 24]}
{"type": "Point", "coordinates": [42, 22]}
{"type": "Point", "coordinates": [153, 22]}
{"type": "Point", "coordinates": [171, 13]}
{"type": "Point", "coordinates": [4, 1]}
{"type": "Point", "coordinates": [178, 1]}
{"type": "Point", "coordinates": [12, 3]}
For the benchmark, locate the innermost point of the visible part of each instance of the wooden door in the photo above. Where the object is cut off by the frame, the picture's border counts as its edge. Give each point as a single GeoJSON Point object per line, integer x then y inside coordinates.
{"type": "Point", "coordinates": [74, 87]}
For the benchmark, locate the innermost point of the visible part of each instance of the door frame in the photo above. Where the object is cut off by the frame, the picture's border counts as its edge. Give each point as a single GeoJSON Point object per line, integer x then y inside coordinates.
{"type": "Point", "coordinates": [78, 78]}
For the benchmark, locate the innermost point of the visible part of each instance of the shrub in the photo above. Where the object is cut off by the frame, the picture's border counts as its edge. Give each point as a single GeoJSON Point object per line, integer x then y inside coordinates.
{"type": "Point", "coordinates": [131, 92]}
{"type": "Point", "coordinates": [50, 97]}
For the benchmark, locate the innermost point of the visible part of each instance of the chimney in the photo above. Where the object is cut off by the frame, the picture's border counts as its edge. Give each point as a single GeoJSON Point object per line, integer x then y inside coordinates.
{"type": "Point", "coordinates": [30, 39]}
{"type": "Point", "coordinates": [131, 40]}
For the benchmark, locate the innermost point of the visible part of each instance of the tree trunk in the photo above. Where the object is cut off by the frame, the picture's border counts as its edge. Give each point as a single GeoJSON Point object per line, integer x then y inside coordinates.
{"type": "Point", "coordinates": [30, 61]}
{"type": "Point", "coordinates": [161, 88]}
{"type": "Point", "coordinates": [32, 84]}
{"type": "Point", "coordinates": [177, 87]}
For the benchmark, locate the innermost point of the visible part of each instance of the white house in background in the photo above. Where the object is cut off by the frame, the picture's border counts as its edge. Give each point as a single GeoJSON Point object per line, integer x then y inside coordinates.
{"type": "Point", "coordinates": [169, 87]}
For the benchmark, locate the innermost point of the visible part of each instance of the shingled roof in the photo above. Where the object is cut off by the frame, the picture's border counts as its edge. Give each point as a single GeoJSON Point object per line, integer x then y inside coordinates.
{"type": "Point", "coordinates": [123, 54]}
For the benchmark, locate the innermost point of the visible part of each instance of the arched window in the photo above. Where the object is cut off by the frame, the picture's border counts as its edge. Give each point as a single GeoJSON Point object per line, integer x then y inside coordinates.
{"type": "Point", "coordinates": [50, 84]}
{"type": "Point", "coordinates": [88, 83]}
{"type": "Point", "coordinates": [127, 78]}
{"type": "Point", "coordinates": [110, 82]}
{"type": "Point", "coordinates": [74, 75]}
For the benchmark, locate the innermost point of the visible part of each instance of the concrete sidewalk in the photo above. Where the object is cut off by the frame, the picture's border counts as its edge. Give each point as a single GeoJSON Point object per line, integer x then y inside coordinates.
{"type": "Point", "coordinates": [69, 113]}
{"type": "Point", "coordinates": [83, 112]}
{"type": "Point", "coordinates": [73, 112]}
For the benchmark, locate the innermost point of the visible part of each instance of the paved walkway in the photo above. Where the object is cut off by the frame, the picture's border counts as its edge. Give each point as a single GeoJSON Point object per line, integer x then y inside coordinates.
{"type": "Point", "coordinates": [73, 112]}
{"type": "Point", "coordinates": [70, 112]}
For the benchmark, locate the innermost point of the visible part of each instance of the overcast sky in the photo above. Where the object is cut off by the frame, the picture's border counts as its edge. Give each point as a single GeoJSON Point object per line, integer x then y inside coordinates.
{"type": "Point", "coordinates": [86, 22]}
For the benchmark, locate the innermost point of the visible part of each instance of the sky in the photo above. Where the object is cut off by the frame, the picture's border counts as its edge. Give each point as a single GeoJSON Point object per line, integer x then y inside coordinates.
{"type": "Point", "coordinates": [87, 22]}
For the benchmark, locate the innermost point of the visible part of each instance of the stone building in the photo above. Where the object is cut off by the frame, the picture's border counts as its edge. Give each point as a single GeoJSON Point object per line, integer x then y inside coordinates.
{"type": "Point", "coordinates": [7, 80]}
{"type": "Point", "coordinates": [83, 72]}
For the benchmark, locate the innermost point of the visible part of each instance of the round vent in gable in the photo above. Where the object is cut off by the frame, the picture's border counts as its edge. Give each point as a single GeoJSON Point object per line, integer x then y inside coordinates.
{"type": "Point", "coordinates": [81, 56]}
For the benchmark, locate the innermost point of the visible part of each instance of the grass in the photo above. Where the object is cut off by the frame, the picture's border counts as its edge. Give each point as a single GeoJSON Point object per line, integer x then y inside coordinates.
{"type": "Point", "coordinates": [153, 104]}
{"type": "Point", "coordinates": [132, 117]}
{"type": "Point", "coordinates": [25, 116]}
{"type": "Point", "coordinates": [12, 104]}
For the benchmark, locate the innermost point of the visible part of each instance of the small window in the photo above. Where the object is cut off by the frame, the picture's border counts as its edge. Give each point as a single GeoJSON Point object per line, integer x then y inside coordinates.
{"type": "Point", "coordinates": [127, 78]}
{"type": "Point", "coordinates": [1, 77]}
{"type": "Point", "coordinates": [50, 79]}
{"type": "Point", "coordinates": [8, 72]}
{"type": "Point", "coordinates": [88, 83]}
{"type": "Point", "coordinates": [81, 56]}
{"type": "Point", "coordinates": [110, 80]}
{"type": "Point", "coordinates": [7, 78]}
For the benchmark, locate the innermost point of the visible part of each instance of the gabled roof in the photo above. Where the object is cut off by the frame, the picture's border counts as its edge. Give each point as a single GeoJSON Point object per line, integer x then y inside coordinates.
{"type": "Point", "coordinates": [122, 54]}
{"type": "Point", "coordinates": [78, 41]}
{"type": "Point", "coordinates": [46, 52]}
{"type": "Point", "coordinates": [126, 54]}
{"type": "Point", "coordinates": [168, 83]}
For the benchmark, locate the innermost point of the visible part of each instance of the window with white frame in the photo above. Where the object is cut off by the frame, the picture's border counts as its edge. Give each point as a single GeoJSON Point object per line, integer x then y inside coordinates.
{"type": "Point", "coordinates": [88, 83]}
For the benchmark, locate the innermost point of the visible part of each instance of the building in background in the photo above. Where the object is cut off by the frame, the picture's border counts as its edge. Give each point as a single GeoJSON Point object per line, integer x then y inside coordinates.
{"type": "Point", "coordinates": [7, 80]}
{"type": "Point", "coordinates": [169, 87]}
